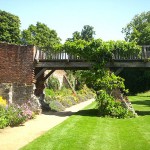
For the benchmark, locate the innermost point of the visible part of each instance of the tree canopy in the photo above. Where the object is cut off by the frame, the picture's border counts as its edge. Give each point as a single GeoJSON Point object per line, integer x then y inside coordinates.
{"type": "Point", "coordinates": [9, 27]}
{"type": "Point", "coordinates": [86, 34]}
{"type": "Point", "coordinates": [138, 29]}
{"type": "Point", "coordinates": [40, 35]}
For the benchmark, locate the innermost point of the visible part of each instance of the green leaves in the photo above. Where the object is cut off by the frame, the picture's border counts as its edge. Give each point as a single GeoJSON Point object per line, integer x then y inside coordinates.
{"type": "Point", "coordinates": [100, 51]}
{"type": "Point", "coordinates": [40, 35]}
{"type": "Point", "coordinates": [86, 34]}
{"type": "Point", "coordinates": [9, 28]}
{"type": "Point", "coordinates": [99, 77]}
{"type": "Point", "coordinates": [138, 30]}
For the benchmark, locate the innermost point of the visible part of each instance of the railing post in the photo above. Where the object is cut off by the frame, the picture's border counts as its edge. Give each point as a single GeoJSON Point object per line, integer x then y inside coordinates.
{"type": "Point", "coordinates": [144, 51]}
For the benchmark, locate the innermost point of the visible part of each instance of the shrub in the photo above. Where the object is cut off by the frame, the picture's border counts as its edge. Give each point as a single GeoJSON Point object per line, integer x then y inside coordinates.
{"type": "Point", "coordinates": [14, 115]}
{"type": "Point", "coordinates": [49, 92]}
{"type": "Point", "coordinates": [53, 83]}
{"type": "Point", "coordinates": [27, 110]}
{"type": "Point", "coordinates": [65, 97]}
{"type": "Point", "coordinates": [107, 106]}
{"type": "Point", "coordinates": [4, 122]}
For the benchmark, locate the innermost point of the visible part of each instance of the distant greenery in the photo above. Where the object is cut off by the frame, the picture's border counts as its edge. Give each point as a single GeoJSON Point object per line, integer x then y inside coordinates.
{"type": "Point", "coordinates": [53, 83]}
{"type": "Point", "coordinates": [86, 34]}
{"type": "Point", "coordinates": [138, 29]}
{"type": "Point", "coordinates": [9, 28]}
{"type": "Point", "coordinates": [84, 130]}
{"type": "Point", "coordinates": [136, 80]}
{"type": "Point", "coordinates": [40, 35]}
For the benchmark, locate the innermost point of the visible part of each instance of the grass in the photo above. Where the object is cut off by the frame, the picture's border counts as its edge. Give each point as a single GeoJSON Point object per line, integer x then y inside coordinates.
{"type": "Point", "coordinates": [86, 131]}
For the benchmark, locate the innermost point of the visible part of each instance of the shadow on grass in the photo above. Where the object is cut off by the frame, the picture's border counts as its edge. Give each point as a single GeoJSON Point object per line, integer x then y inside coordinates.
{"type": "Point", "coordinates": [88, 112]}
{"type": "Point", "coordinates": [142, 113]}
{"type": "Point", "coordinates": [142, 102]}
{"type": "Point", "coordinates": [143, 95]}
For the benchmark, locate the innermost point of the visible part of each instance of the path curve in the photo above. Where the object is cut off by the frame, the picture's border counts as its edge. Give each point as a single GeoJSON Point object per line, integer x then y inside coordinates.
{"type": "Point", "coordinates": [17, 137]}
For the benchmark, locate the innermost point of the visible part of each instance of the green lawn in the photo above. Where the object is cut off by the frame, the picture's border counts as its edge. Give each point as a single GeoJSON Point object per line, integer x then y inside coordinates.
{"type": "Point", "coordinates": [86, 131]}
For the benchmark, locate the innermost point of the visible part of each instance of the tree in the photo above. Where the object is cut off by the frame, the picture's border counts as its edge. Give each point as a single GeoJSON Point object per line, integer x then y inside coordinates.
{"type": "Point", "coordinates": [9, 27]}
{"type": "Point", "coordinates": [76, 35]}
{"type": "Point", "coordinates": [40, 35]}
{"type": "Point", "coordinates": [99, 77]}
{"type": "Point", "coordinates": [138, 29]}
{"type": "Point", "coordinates": [87, 33]}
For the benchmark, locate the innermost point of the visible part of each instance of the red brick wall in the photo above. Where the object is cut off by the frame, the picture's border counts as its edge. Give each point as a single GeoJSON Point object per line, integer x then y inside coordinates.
{"type": "Point", "coordinates": [16, 63]}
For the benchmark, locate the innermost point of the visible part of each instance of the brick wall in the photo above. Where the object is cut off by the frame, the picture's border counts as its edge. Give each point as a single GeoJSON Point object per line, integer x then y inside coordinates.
{"type": "Point", "coordinates": [16, 64]}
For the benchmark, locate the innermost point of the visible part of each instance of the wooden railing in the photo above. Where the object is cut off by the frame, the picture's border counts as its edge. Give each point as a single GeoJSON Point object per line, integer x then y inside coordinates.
{"type": "Point", "coordinates": [41, 55]}
{"type": "Point", "coordinates": [53, 56]}
{"type": "Point", "coordinates": [144, 54]}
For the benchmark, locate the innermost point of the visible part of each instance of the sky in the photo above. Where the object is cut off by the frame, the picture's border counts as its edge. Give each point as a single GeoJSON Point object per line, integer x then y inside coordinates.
{"type": "Point", "coordinates": [108, 17]}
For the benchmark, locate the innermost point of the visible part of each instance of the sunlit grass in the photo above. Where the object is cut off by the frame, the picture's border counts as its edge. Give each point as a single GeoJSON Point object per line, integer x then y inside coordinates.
{"type": "Point", "coordinates": [146, 94]}
{"type": "Point", "coordinates": [86, 131]}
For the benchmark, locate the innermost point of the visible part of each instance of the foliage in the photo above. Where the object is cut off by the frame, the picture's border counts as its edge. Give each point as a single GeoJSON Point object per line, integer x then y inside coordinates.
{"type": "Point", "coordinates": [136, 80]}
{"type": "Point", "coordinates": [86, 34]}
{"type": "Point", "coordinates": [138, 29]}
{"type": "Point", "coordinates": [49, 92]}
{"type": "Point", "coordinates": [40, 35]}
{"type": "Point", "coordinates": [3, 120]}
{"type": "Point", "coordinates": [108, 106]}
{"type": "Point", "coordinates": [63, 98]}
{"type": "Point", "coordinates": [14, 115]}
{"type": "Point", "coordinates": [9, 27]}
{"type": "Point", "coordinates": [53, 83]}
{"type": "Point", "coordinates": [75, 36]}
{"type": "Point", "coordinates": [97, 132]}
{"type": "Point", "coordinates": [100, 53]}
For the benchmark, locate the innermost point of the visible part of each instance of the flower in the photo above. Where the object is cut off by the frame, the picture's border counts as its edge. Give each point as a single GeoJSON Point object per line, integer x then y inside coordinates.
{"type": "Point", "coordinates": [3, 102]}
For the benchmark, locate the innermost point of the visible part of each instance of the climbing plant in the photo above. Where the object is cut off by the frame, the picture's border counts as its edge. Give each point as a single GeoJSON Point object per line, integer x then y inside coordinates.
{"type": "Point", "coordinates": [101, 78]}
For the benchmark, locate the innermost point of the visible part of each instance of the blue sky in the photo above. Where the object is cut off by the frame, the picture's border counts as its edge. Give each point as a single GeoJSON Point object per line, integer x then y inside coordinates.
{"type": "Point", "coordinates": [108, 17]}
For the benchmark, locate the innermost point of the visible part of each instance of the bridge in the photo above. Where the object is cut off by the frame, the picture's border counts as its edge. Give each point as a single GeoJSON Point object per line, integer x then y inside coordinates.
{"type": "Point", "coordinates": [22, 68]}
{"type": "Point", "coordinates": [65, 61]}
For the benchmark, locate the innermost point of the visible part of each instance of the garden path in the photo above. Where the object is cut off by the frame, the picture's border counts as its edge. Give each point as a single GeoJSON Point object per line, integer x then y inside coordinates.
{"type": "Point", "coordinates": [16, 137]}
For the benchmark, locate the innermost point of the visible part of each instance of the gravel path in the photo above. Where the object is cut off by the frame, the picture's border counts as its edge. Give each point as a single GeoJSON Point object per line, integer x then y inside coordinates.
{"type": "Point", "coordinates": [16, 137]}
